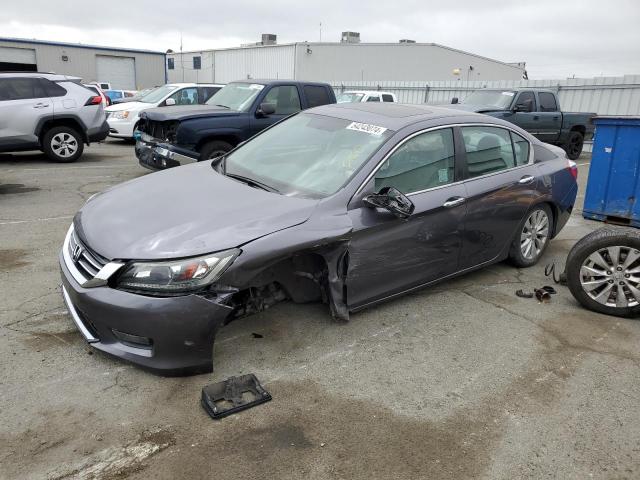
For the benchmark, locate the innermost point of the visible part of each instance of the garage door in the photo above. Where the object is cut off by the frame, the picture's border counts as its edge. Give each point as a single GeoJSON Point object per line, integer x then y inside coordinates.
{"type": "Point", "coordinates": [17, 59]}
{"type": "Point", "coordinates": [120, 72]}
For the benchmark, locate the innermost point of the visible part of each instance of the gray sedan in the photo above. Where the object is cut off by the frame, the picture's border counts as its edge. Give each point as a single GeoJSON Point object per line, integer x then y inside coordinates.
{"type": "Point", "coordinates": [347, 204]}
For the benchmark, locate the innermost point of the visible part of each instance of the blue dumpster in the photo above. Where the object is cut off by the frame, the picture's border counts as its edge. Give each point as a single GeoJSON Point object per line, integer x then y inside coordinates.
{"type": "Point", "coordinates": [613, 188]}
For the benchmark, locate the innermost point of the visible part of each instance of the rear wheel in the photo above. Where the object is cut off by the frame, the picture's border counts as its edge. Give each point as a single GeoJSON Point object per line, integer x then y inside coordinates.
{"type": "Point", "coordinates": [574, 145]}
{"type": "Point", "coordinates": [62, 144]}
{"type": "Point", "coordinates": [214, 149]}
{"type": "Point", "coordinates": [603, 271]}
{"type": "Point", "coordinates": [532, 237]}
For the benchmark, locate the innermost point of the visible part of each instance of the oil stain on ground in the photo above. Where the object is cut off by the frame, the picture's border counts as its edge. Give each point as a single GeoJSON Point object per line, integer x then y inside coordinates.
{"type": "Point", "coordinates": [11, 188]}
{"type": "Point", "coordinates": [12, 258]}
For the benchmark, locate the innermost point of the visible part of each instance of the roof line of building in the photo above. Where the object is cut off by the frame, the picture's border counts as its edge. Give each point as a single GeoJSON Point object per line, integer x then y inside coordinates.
{"type": "Point", "coordinates": [371, 44]}
{"type": "Point", "coordinates": [78, 45]}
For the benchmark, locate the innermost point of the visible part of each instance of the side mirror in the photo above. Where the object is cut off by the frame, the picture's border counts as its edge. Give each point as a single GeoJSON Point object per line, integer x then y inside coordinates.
{"type": "Point", "coordinates": [265, 109]}
{"type": "Point", "coordinates": [170, 102]}
{"type": "Point", "coordinates": [391, 199]}
{"type": "Point", "coordinates": [454, 100]}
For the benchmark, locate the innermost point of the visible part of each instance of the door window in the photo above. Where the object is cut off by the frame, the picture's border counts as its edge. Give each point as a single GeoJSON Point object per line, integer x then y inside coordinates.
{"type": "Point", "coordinates": [521, 149]}
{"type": "Point", "coordinates": [316, 95]}
{"type": "Point", "coordinates": [422, 162]}
{"type": "Point", "coordinates": [488, 150]}
{"type": "Point", "coordinates": [387, 97]}
{"type": "Point", "coordinates": [527, 98]}
{"type": "Point", "coordinates": [186, 96]}
{"type": "Point", "coordinates": [547, 102]}
{"type": "Point", "coordinates": [206, 93]}
{"type": "Point", "coordinates": [21, 89]}
{"type": "Point", "coordinates": [284, 98]}
{"type": "Point", "coordinates": [374, 98]}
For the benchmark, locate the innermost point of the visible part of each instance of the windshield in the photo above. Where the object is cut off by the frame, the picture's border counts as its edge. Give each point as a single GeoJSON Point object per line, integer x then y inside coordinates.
{"type": "Point", "coordinates": [494, 98]}
{"type": "Point", "coordinates": [236, 96]}
{"type": "Point", "coordinates": [349, 97]}
{"type": "Point", "coordinates": [307, 155]}
{"type": "Point", "coordinates": [157, 94]}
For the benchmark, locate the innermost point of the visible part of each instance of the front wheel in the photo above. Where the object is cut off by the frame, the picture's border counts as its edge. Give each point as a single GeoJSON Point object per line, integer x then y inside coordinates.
{"type": "Point", "coordinates": [574, 145]}
{"type": "Point", "coordinates": [62, 144]}
{"type": "Point", "coordinates": [532, 237]}
{"type": "Point", "coordinates": [603, 271]}
{"type": "Point", "coordinates": [214, 149]}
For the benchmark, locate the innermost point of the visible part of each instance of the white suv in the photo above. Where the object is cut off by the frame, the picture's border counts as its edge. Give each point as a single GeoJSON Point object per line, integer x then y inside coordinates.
{"type": "Point", "coordinates": [123, 118]}
{"type": "Point", "coordinates": [352, 96]}
{"type": "Point", "coordinates": [52, 113]}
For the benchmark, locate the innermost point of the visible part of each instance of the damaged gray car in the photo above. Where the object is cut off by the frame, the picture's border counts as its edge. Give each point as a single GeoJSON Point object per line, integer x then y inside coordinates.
{"type": "Point", "coordinates": [346, 204]}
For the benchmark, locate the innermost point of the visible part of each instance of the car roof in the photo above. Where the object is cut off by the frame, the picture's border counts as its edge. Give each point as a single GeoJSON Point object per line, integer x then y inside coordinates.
{"type": "Point", "coordinates": [187, 84]}
{"type": "Point", "coordinates": [262, 81]}
{"type": "Point", "coordinates": [395, 116]}
{"type": "Point", "coordinates": [367, 91]}
{"type": "Point", "coordinates": [49, 76]}
{"type": "Point", "coordinates": [515, 89]}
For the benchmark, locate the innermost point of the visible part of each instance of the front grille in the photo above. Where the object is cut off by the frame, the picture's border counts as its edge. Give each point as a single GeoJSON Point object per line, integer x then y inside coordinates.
{"type": "Point", "coordinates": [161, 131]}
{"type": "Point", "coordinates": [88, 262]}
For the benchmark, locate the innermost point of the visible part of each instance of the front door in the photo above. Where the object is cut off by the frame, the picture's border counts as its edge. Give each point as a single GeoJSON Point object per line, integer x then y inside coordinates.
{"type": "Point", "coordinates": [501, 186]}
{"type": "Point", "coordinates": [388, 255]}
{"type": "Point", "coordinates": [286, 101]}
{"type": "Point", "coordinates": [528, 120]}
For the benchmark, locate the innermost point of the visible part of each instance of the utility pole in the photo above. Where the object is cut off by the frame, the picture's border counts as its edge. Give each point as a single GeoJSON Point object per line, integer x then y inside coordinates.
{"type": "Point", "coordinates": [181, 57]}
{"type": "Point", "coordinates": [320, 32]}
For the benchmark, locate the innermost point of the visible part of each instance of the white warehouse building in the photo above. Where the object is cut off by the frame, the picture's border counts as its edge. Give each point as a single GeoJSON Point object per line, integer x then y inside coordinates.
{"type": "Point", "coordinates": [126, 69]}
{"type": "Point", "coordinates": [347, 60]}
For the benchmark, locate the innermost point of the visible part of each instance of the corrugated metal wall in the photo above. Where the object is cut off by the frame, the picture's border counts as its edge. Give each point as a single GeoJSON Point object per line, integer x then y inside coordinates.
{"type": "Point", "coordinates": [603, 95]}
{"type": "Point", "coordinates": [81, 62]}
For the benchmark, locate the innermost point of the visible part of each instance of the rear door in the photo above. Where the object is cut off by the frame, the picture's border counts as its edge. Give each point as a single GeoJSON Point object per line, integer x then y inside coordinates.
{"type": "Point", "coordinates": [286, 101]}
{"type": "Point", "coordinates": [388, 255]}
{"type": "Point", "coordinates": [23, 102]}
{"type": "Point", "coordinates": [550, 121]}
{"type": "Point", "coordinates": [501, 185]}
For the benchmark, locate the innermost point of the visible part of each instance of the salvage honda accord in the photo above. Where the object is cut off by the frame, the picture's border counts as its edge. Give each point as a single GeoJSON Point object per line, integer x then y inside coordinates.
{"type": "Point", "coordinates": [348, 204]}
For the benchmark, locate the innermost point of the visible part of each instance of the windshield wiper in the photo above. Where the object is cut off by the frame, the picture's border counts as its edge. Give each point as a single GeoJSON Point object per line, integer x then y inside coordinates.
{"type": "Point", "coordinates": [252, 183]}
{"type": "Point", "coordinates": [223, 106]}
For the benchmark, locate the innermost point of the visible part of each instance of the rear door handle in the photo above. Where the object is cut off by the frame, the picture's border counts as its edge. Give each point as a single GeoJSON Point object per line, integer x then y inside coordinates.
{"type": "Point", "coordinates": [41, 105]}
{"type": "Point", "coordinates": [526, 179]}
{"type": "Point", "coordinates": [454, 202]}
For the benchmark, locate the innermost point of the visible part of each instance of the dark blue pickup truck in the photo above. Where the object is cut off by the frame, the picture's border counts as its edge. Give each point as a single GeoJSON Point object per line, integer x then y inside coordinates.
{"type": "Point", "coordinates": [173, 136]}
{"type": "Point", "coordinates": [536, 111]}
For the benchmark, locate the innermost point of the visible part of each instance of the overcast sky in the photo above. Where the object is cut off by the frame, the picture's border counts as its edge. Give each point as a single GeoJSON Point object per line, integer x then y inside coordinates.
{"type": "Point", "coordinates": [557, 38]}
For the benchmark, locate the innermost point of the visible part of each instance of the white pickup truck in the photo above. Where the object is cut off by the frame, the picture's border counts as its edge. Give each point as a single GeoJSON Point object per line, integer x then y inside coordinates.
{"type": "Point", "coordinates": [351, 96]}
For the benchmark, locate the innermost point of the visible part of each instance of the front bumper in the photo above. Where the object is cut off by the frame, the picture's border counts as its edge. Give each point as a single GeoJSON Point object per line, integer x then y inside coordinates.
{"type": "Point", "coordinates": [160, 156]}
{"type": "Point", "coordinates": [121, 128]}
{"type": "Point", "coordinates": [169, 336]}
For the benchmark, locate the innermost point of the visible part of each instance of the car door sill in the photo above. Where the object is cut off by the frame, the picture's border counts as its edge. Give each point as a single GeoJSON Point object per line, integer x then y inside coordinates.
{"type": "Point", "coordinates": [423, 285]}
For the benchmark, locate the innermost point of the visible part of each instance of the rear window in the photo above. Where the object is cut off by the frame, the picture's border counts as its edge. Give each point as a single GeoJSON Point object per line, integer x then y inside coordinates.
{"type": "Point", "coordinates": [387, 98]}
{"type": "Point", "coordinates": [316, 95]}
{"type": "Point", "coordinates": [52, 89]}
{"type": "Point", "coordinates": [547, 102]}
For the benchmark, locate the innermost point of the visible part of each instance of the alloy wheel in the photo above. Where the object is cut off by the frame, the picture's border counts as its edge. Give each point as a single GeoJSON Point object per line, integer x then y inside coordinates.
{"type": "Point", "coordinates": [64, 145]}
{"type": "Point", "coordinates": [535, 234]}
{"type": "Point", "coordinates": [611, 276]}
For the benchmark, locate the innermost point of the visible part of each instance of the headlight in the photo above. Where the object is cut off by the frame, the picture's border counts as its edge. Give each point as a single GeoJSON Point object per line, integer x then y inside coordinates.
{"type": "Point", "coordinates": [120, 114]}
{"type": "Point", "coordinates": [177, 275]}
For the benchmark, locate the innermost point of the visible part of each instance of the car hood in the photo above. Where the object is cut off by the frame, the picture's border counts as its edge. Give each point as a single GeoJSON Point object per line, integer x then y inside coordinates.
{"type": "Point", "coordinates": [181, 212]}
{"type": "Point", "coordinates": [183, 112]}
{"type": "Point", "coordinates": [465, 107]}
{"type": "Point", "coordinates": [133, 105]}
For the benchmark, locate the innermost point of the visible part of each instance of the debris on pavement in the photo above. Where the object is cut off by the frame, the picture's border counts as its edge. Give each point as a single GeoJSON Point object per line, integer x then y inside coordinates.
{"type": "Point", "coordinates": [524, 294]}
{"type": "Point", "coordinates": [233, 395]}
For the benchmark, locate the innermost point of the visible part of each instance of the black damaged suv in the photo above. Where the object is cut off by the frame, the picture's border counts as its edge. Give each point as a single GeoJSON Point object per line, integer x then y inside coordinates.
{"type": "Point", "coordinates": [173, 136]}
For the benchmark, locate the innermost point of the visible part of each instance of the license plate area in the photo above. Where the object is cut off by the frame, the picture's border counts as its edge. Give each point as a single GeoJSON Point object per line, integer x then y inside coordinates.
{"type": "Point", "coordinates": [233, 395]}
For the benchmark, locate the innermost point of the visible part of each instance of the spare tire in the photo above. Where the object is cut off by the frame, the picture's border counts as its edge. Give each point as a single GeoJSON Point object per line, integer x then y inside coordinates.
{"type": "Point", "coordinates": [603, 271]}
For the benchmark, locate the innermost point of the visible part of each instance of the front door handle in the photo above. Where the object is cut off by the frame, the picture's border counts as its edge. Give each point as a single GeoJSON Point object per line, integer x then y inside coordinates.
{"type": "Point", "coordinates": [454, 202]}
{"type": "Point", "coordinates": [526, 179]}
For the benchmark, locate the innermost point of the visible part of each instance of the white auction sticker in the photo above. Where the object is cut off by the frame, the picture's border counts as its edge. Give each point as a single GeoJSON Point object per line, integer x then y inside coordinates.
{"type": "Point", "coordinates": [366, 128]}
{"type": "Point", "coordinates": [509, 94]}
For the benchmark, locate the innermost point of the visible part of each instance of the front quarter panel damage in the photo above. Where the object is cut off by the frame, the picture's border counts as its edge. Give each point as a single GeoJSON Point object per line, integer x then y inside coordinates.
{"type": "Point", "coordinates": [304, 263]}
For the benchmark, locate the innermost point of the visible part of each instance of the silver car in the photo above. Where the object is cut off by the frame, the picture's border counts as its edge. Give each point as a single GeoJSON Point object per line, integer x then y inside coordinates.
{"type": "Point", "coordinates": [52, 113]}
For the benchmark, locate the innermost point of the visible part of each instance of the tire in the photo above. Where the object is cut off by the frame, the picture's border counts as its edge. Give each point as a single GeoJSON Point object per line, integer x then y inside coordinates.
{"type": "Point", "coordinates": [574, 145]}
{"type": "Point", "coordinates": [612, 292]}
{"type": "Point", "coordinates": [214, 149]}
{"type": "Point", "coordinates": [62, 144]}
{"type": "Point", "coordinates": [537, 227]}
